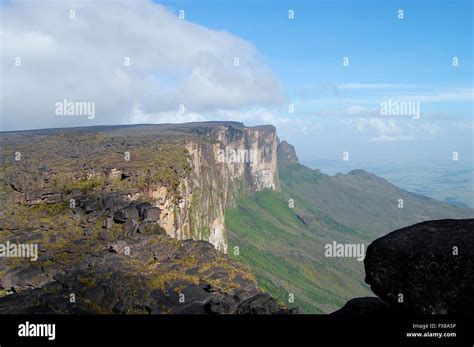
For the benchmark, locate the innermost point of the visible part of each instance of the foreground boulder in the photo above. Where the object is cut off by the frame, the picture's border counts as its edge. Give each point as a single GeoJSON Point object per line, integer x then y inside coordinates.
{"type": "Point", "coordinates": [367, 305]}
{"type": "Point", "coordinates": [425, 268]}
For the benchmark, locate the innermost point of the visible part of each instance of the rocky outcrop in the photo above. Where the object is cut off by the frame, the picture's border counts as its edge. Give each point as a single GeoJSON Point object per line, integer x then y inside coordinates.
{"type": "Point", "coordinates": [234, 161]}
{"type": "Point", "coordinates": [426, 268]}
{"type": "Point", "coordinates": [140, 274]}
{"type": "Point", "coordinates": [189, 173]}
{"type": "Point", "coordinates": [367, 305]}
{"type": "Point", "coordinates": [120, 216]}
{"type": "Point", "coordinates": [287, 154]}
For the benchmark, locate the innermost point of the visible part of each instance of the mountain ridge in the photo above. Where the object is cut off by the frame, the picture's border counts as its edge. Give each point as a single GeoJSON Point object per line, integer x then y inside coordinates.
{"type": "Point", "coordinates": [289, 229]}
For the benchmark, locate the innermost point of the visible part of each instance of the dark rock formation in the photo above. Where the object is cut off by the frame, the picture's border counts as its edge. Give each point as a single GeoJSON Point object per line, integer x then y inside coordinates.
{"type": "Point", "coordinates": [138, 274]}
{"type": "Point", "coordinates": [286, 153]}
{"type": "Point", "coordinates": [126, 213]}
{"type": "Point", "coordinates": [134, 212]}
{"type": "Point", "coordinates": [130, 227]}
{"type": "Point", "coordinates": [367, 305]}
{"type": "Point", "coordinates": [113, 201]}
{"type": "Point", "coordinates": [425, 268]}
{"type": "Point", "coordinates": [89, 205]}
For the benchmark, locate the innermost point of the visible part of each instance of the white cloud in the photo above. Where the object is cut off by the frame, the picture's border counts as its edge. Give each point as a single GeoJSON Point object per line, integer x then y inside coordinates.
{"type": "Point", "coordinates": [261, 115]}
{"type": "Point", "coordinates": [389, 130]}
{"type": "Point", "coordinates": [172, 61]}
{"type": "Point", "coordinates": [345, 95]}
{"type": "Point", "coordinates": [138, 117]}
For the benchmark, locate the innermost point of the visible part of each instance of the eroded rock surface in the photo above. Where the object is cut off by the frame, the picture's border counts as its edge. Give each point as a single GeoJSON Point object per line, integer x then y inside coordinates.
{"type": "Point", "coordinates": [425, 268]}
{"type": "Point", "coordinates": [178, 169]}
{"type": "Point", "coordinates": [138, 274]}
{"type": "Point", "coordinates": [367, 305]}
{"type": "Point", "coordinates": [109, 208]}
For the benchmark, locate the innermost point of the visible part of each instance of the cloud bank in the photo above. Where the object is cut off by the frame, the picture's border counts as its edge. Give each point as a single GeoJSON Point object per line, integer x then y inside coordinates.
{"type": "Point", "coordinates": [136, 60]}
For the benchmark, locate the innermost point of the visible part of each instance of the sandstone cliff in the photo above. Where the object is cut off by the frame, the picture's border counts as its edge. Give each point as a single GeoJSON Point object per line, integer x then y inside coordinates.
{"type": "Point", "coordinates": [117, 213]}
{"type": "Point", "coordinates": [190, 172]}
{"type": "Point", "coordinates": [233, 160]}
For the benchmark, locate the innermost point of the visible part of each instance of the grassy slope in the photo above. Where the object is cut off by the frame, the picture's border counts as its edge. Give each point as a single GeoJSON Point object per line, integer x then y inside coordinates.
{"type": "Point", "coordinates": [285, 246]}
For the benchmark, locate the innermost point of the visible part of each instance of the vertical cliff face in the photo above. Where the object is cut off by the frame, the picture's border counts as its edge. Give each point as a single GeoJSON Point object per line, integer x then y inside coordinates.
{"type": "Point", "coordinates": [192, 172]}
{"type": "Point", "coordinates": [226, 160]}
{"type": "Point", "coordinates": [98, 209]}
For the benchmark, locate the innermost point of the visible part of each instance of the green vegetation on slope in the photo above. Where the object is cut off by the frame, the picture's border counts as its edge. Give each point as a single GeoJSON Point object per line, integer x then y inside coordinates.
{"type": "Point", "coordinates": [287, 255]}
{"type": "Point", "coordinates": [285, 246]}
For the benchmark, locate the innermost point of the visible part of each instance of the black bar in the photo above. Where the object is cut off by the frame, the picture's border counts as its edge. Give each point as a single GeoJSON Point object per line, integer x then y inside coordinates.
{"type": "Point", "coordinates": [233, 329]}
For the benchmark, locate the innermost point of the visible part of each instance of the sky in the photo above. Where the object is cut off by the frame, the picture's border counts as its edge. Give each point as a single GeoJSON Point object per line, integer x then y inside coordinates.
{"type": "Point", "coordinates": [290, 71]}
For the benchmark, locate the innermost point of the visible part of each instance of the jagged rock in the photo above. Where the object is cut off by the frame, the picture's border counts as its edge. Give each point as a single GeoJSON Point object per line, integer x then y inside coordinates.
{"type": "Point", "coordinates": [108, 222]}
{"type": "Point", "coordinates": [114, 202]}
{"type": "Point", "coordinates": [286, 153]}
{"type": "Point", "coordinates": [51, 198]}
{"type": "Point", "coordinates": [20, 301]}
{"type": "Point", "coordinates": [112, 280]}
{"type": "Point", "coordinates": [142, 211]}
{"type": "Point", "coordinates": [130, 227]}
{"type": "Point", "coordinates": [222, 305]}
{"type": "Point", "coordinates": [33, 197]}
{"type": "Point", "coordinates": [92, 217]}
{"type": "Point", "coordinates": [23, 278]}
{"type": "Point", "coordinates": [76, 192]}
{"type": "Point", "coordinates": [126, 213]}
{"type": "Point", "coordinates": [117, 247]}
{"type": "Point", "coordinates": [151, 214]}
{"type": "Point", "coordinates": [258, 304]}
{"type": "Point", "coordinates": [142, 207]}
{"type": "Point", "coordinates": [425, 268]}
{"type": "Point", "coordinates": [89, 205]}
{"type": "Point", "coordinates": [194, 300]}
{"type": "Point", "coordinates": [367, 305]}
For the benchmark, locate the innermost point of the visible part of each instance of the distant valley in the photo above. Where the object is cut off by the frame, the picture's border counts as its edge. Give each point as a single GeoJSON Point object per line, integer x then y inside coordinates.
{"type": "Point", "coordinates": [285, 246]}
{"type": "Point", "coordinates": [448, 181]}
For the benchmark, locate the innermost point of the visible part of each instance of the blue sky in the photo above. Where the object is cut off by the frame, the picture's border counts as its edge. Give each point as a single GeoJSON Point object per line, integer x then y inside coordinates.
{"type": "Point", "coordinates": [409, 58]}
{"type": "Point", "coordinates": [389, 58]}
{"type": "Point", "coordinates": [382, 49]}
{"type": "Point", "coordinates": [190, 62]}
